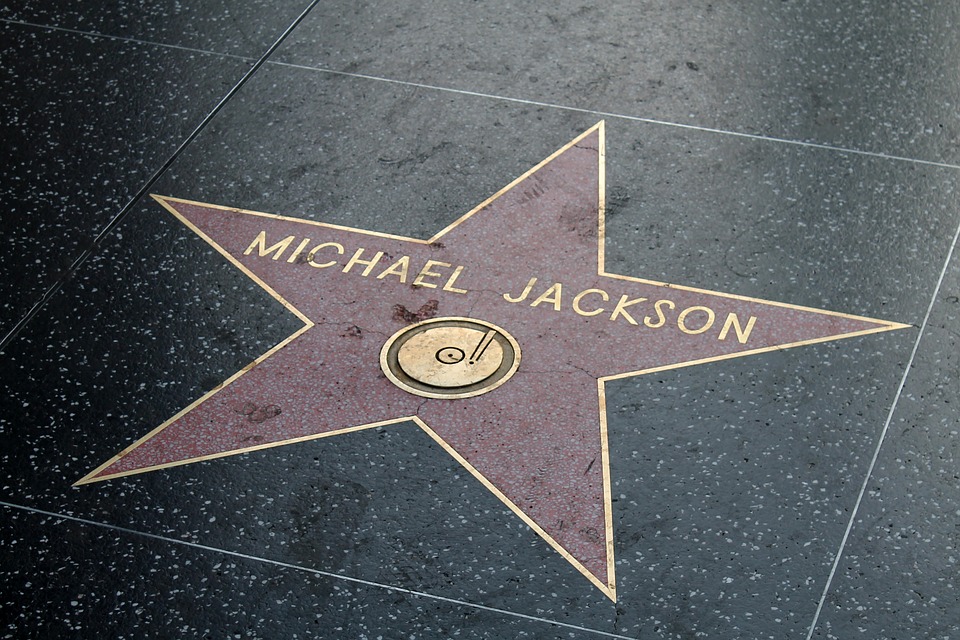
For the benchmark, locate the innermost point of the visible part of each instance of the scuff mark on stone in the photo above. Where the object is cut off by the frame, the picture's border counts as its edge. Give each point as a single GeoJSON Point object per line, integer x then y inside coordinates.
{"type": "Point", "coordinates": [353, 332]}
{"type": "Point", "coordinates": [259, 414]}
{"type": "Point", "coordinates": [427, 311]}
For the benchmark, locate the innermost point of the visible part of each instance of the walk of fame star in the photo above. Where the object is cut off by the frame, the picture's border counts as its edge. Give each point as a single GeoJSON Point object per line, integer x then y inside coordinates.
{"type": "Point", "coordinates": [496, 337]}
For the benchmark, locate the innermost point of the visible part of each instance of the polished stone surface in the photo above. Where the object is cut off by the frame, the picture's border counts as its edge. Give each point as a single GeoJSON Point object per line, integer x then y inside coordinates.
{"type": "Point", "coordinates": [746, 502]}
{"type": "Point", "coordinates": [859, 76]}
{"type": "Point", "coordinates": [899, 578]}
{"type": "Point", "coordinates": [86, 122]}
{"type": "Point", "coordinates": [244, 29]}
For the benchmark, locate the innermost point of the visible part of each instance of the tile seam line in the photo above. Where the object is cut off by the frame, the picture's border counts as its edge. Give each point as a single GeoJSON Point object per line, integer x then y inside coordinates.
{"type": "Point", "coordinates": [882, 438]}
{"type": "Point", "coordinates": [610, 114]}
{"type": "Point", "coordinates": [108, 228]}
{"type": "Point", "coordinates": [319, 572]}
{"type": "Point", "coordinates": [106, 36]}
{"type": "Point", "coordinates": [666, 123]}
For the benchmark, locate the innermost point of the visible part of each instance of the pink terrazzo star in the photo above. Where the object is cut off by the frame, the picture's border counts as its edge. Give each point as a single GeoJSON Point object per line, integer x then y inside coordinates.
{"type": "Point", "coordinates": [529, 260]}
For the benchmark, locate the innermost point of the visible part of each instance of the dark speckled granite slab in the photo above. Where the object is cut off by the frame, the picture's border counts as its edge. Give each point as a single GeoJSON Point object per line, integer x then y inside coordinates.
{"type": "Point", "coordinates": [866, 77]}
{"type": "Point", "coordinates": [175, 589]}
{"type": "Point", "coordinates": [246, 28]}
{"type": "Point", "coordinates": [899, 577]}
{"type": "Point", "coordinates": [734, 484]}
{"type": "Point", "coordinates": [86, 122]}
{"type": "Point", "coordinates": [93, 107]}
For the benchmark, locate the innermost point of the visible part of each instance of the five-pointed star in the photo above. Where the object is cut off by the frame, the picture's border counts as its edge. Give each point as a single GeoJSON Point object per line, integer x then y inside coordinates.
{"type": "Point", "coordinates": [529, 260]}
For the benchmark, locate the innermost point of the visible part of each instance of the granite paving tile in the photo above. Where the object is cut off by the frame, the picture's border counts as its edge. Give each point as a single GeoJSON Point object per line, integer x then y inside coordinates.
{"type": "Point", "coordinates": [86, 122]}
{"type": "Point", "coordinates": [158, 588]}
{"type": "Point", "coordinates": [855, 75]}
{"type": "Point", "coordinates": [898, 575]}
{"type": "Point", "coordinates": [245, 28]}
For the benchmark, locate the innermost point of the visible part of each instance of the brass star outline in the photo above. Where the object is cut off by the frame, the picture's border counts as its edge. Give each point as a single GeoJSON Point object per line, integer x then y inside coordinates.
{"type": "Point", "coordinates": [595, 560]}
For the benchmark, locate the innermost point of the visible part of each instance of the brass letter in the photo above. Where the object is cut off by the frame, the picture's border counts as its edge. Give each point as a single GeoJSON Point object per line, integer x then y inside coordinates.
{"type": "Point", "coordinates": [453, 278]}
{"type": "Point", "coordinates": [621, 308]}
{"type": "Point", "coordinates": [660, 317]}
{"type": "Point", "coordinates": [683, 316]}
{"type": "Point", "coordinates": [356, 260]}
{"type": "Point", "coordinates": [522, 296]}
{"type": "Point", "coordinates": [550, 295]}
{"type": "Point", "coordinates": [296, 253]}
{"type": "Point", "coordinates": [313, 252]}
{"type": "Point", "coordinates": [425, 272]}
{"type": "Point", "coordinates": [260, 242]}
{"type": "Point", "coordinates": [576, 302]}
{"type": "Point", "coordinates": [734, 321]}
{"type": "Point", "coordinates": [398, 268]}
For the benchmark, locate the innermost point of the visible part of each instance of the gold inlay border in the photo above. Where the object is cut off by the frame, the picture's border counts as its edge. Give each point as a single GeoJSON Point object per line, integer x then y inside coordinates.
{"type": "Point", "coordinates": [608, 588]}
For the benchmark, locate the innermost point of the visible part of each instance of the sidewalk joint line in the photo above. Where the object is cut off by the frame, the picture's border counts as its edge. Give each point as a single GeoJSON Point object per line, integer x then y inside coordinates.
{"type": "Point", "coordinates": [97, 241]}
{"type": "Point", "coordinates": [318, 572]}
{"type": "Point", "coordinates": [882, 438]}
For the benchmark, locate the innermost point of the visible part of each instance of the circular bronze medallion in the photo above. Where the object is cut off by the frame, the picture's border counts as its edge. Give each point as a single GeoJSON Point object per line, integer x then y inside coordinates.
{"type": "Point", "coordinates": [450, 357]}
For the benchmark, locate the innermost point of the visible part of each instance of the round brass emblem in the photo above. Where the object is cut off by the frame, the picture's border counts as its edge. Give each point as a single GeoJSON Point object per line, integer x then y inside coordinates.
{"type": "Point", "coordinates": [450, 358]}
